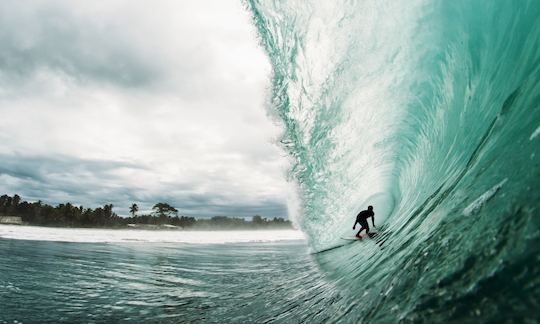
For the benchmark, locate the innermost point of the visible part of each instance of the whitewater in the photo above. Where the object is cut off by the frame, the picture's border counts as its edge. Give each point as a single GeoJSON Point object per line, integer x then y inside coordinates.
{"type": "Point", "coordinates": [95, 235]}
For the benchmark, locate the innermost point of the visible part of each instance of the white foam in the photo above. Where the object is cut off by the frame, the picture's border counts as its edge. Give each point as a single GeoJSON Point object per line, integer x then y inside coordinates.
{"type": "Point", "coordinates": [480, 201]}
{"type": "Point", "coordinates": [535, 134]}
{"type": "Point", "coordinates": [159, 236]}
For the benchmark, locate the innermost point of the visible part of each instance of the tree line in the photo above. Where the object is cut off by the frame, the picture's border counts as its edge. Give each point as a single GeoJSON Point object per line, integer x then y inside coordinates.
{"type": "Point", "coordinates": [69, 215]}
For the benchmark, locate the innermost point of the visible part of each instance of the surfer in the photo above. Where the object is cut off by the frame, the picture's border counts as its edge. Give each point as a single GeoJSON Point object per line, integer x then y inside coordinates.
{"type": "Point", "coordinates": [362, 218]}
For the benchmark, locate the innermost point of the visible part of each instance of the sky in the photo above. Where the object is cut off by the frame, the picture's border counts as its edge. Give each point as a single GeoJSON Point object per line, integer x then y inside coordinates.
{"type": "Point", "coordinates": [124, 101]}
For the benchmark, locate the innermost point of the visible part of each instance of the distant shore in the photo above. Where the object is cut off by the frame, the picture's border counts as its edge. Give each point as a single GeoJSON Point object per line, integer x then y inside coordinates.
{"type": "Point", "coordinates": [15, 211]}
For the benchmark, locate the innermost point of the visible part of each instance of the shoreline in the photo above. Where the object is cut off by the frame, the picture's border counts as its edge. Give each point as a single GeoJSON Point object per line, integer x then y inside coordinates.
{"type": "Point", "coordinates": [107, 235]}
{"type": "Point", "coordinates": [146, 227]}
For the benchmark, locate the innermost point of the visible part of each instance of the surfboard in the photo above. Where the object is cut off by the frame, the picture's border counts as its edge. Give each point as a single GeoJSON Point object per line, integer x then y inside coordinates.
{"type": "Point", "coordinates": [362, 236]}
{"type": "Point", "coordinates": [350, 241]}
{"type": "Point", "coordinates": [331, 248]}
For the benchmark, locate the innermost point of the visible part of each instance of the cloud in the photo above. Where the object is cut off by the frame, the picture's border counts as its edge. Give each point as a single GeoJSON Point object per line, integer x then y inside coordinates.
{"type": "Point", "coordinates": [124, 102]}
{"type": "Point", "coordinates": [38, 35]}
{"type": "Point", "coordinates": [98, 182]}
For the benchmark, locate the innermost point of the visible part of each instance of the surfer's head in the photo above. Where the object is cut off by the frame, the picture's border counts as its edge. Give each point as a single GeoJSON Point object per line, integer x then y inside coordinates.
{"type": "Point", "coordinates": [370, 207]}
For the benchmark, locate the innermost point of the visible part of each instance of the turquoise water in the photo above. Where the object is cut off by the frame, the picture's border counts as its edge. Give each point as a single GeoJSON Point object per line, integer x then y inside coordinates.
{"type": "Point", "coordinates": [429, 111]}
{"type": "Point", "coordinates": [52, 282]}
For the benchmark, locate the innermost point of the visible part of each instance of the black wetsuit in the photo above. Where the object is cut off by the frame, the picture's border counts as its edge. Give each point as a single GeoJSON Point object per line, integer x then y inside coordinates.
{"type": "Point", "coordinates": [362, 218]}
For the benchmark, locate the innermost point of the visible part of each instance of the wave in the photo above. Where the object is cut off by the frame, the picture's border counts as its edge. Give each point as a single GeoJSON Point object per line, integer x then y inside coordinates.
{"type": "Point", "coordinates": [429, 111]}
{"type": "Point", "coordinates": [94, 235]}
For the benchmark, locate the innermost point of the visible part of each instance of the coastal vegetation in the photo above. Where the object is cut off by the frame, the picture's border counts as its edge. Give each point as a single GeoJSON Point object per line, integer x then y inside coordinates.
{"type": "Point", "coordinates": [163, 214]}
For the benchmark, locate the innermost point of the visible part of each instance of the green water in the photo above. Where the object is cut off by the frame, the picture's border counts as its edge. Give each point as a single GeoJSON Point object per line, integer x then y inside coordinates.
{"type": "Point", "coordinates": [52, 282]}
{"type": "Point", "coordinates": [430, 112]}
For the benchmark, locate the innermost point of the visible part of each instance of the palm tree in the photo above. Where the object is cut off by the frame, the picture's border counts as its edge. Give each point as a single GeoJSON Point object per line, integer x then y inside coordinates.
{"type": "Point", "coordinates": [108, 209]}
{"type": "Point", "coordinates": [163, 210]}
{"type": "Point", "coordinates": [133, 209]}
{"type": "Point", "coordinates": [16, 200]}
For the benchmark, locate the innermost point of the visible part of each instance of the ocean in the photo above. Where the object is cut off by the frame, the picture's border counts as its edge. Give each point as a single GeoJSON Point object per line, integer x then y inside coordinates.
{"type": "Point", "coordinates": [51, 275]}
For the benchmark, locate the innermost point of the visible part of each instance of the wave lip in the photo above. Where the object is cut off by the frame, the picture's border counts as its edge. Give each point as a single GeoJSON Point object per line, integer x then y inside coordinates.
{"type": "Point", "coordinates": [93, 235]}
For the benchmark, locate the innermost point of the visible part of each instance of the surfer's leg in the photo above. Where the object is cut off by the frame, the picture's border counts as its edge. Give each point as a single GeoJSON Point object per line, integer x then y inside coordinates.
{"type": "Point", "coordinates": [365, 226]}
{"type": "Point", "coordinates": [360, 231]}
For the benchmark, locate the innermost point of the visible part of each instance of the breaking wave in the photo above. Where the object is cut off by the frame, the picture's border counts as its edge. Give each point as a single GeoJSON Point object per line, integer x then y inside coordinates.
{"type": "Point", "coordinates": [429, 111]}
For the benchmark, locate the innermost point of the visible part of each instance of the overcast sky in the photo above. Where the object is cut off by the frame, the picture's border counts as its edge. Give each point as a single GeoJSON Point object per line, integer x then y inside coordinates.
{"type": "Point", "coordinates": [124, 101]}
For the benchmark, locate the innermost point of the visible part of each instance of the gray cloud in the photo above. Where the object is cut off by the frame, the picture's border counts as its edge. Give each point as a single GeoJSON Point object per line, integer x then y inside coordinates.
{"type": "Point", "coordinates": [96, 182]}
{"type": "Point", "coordinates": [119, 102]}
{"type": "Point", "coordinates": [38, 35]}
{"type": "Point", "coordinates": [38, 167]}
{"type": "Point", "coordinates": [56, 178]}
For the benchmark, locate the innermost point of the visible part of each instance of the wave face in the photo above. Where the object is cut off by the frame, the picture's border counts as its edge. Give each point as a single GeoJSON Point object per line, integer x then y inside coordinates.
{"type": "Point", "coordinates": [430, 112]}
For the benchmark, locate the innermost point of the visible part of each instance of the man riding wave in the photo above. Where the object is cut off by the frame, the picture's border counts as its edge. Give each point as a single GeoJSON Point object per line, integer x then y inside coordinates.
{"type": "Point", "coordinates": [362, 218]}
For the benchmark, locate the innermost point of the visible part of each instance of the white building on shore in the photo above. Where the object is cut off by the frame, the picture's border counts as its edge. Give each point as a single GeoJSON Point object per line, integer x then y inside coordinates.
{"type": "Point", "coordinates": [14, 220]}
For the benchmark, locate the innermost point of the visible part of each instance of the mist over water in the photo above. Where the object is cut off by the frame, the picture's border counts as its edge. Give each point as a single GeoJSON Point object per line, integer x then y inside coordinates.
{"type": "Point", "coordinates": [429, 111]}
{"type": "Point", "coordinates": [98, 235]}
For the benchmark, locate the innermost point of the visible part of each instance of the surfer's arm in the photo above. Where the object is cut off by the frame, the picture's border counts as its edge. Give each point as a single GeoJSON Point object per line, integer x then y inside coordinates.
{"type": "Point", "coordinates": [373, 220]}
{"type": "Point", "coordinates": [356, 222]}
